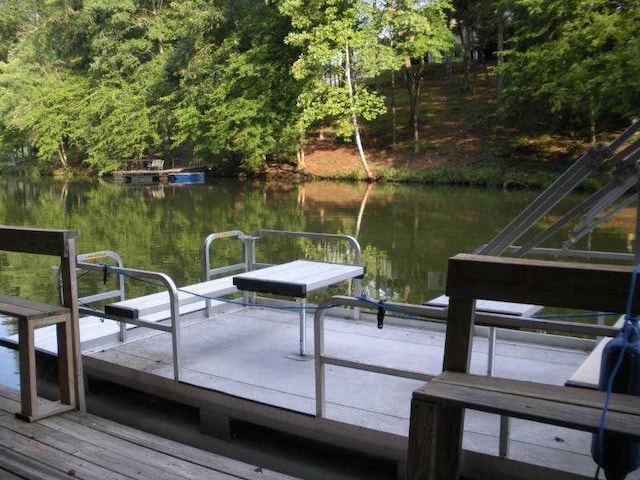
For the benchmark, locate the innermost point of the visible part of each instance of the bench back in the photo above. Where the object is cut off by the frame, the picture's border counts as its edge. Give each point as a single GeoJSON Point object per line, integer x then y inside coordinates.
{"type": "Point", "coordinates": [601, 288]}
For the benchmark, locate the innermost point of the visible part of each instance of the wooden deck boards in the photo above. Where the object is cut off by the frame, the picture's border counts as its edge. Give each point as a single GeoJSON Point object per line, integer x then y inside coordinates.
{"type": "Point", "coordinates": [84, 446]}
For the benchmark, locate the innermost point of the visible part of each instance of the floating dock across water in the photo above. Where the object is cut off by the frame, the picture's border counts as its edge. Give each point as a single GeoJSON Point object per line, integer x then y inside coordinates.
{"type": "Point", "coordinates": [159, 176]}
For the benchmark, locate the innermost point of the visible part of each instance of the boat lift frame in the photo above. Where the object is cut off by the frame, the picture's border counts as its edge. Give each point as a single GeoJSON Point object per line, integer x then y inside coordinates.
{"type": "Point", "coordinates": [620, 157]}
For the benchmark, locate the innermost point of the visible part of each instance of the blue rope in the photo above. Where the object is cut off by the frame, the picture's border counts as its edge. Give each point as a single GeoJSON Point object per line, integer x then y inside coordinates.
{"type": "Point", "coordinates": [629, 323]}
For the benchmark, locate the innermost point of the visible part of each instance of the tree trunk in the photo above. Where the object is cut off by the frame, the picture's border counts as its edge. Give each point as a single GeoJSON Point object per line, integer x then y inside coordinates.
{"type": "Point", "coordinates": [394, 127]}
{"type": "Point", "coordinates": [354, 115]}
{"type": "Point", "coordinates": [300, 166]}
{"type": "Point", "coordinates": [414, 83]}
{"type": "Point", "coordinates": [63, 155]}
{"type": "Point", "coordinates": [363, 204]}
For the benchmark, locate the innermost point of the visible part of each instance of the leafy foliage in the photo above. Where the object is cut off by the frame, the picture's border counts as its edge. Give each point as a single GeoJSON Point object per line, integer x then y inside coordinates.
{"type": "Point", "coordinates": [574, 63]}
{"type": "Point", "coordinates": [100, 84]}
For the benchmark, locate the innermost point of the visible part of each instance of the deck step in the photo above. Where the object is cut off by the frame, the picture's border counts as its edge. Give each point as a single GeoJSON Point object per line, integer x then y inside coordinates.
{"type": "Point", "coordinates": [157, 302]}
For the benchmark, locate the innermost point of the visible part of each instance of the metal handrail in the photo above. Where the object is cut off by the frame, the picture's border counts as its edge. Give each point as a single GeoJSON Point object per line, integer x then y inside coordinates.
{"type": "Point", "coordinates": [319, 236]}
{"type": "Point", "coordinates": [207, 271]}
{"type": "Point", "coordinates": [119, 292]}
{"type": "Point", "coordinates": [321, 359]}
{"type": "Point", "coordinates": [248, 247]}
{"type": "Point", "coordinates": [424, 311]}
{"type": "Point", "coordinates": [170, 286]}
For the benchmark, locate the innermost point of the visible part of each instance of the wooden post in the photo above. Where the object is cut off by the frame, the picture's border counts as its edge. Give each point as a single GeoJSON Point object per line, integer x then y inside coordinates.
{"type": "Point", "coordinates": [70, 300]}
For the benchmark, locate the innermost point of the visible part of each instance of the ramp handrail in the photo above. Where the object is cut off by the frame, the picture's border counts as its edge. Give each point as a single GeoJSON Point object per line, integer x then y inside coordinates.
{"type": "Point", "coordinates": [169, 285]}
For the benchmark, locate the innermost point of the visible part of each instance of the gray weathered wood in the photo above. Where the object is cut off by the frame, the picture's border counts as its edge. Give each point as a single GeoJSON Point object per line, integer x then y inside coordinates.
{"type": "Point", "coordinates": [79, 445]}
{"type": "Point", "coordinates": [569, 285]}
{"type": "Point", "coordinates": [59, 243]}
{"type": "Point", "coordinates": [12, 462]}
{"type": "Point", "coordinates": [31, 315]}
{"type": "Point", "coordinates": [601, 288]}
{"type": "Point", "coordinates": [459, 336]}
{"type": "Point", "coordinates": [70, 300]}
{"type": "Point", "coordinates": [419, 453]}
{"type": "Point", "coordinates": [35, 240]}
{"type": "Point", "coordinates": [560, 408]}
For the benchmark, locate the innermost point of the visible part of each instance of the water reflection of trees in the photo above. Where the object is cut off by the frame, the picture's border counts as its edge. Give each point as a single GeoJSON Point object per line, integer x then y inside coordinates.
{"type": "Point", "coordinates": [407, 232]}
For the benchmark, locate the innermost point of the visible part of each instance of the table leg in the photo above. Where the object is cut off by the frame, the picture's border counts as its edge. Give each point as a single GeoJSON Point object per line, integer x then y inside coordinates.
{"type": "Point", "coordinates": [303, 326]}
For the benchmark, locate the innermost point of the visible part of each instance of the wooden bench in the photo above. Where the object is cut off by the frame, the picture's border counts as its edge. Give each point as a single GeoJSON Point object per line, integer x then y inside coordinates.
{"type": "Point", "coordinates": [61, 244]}
{"type": "Point", "coordinates": [437, 408]}
{"type": "Point", "coordinates": [31, 315]}
{"type": "Point", "coordinates": [138, 307]}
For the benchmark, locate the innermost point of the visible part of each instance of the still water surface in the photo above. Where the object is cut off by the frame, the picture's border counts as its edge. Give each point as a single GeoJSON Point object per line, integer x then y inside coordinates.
{"type": "Point", "coordinates": [407, 232]}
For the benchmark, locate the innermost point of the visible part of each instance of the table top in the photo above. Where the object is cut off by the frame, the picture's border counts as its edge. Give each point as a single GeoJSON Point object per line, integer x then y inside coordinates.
{"type": "Point", "coordinates": [296, 278]}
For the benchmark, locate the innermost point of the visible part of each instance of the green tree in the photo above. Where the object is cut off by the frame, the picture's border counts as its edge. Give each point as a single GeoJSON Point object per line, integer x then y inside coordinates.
{"type": "Point", "coordinates": [14, 13]}
{"type": "Point", "coordinates": [40, 106]}
{"type": "Point", "coordinates": [573, 64]}
{"type": "Point", "coordinates": [417, 30]}
{"type": "Point", "coordinates": [341, 47]}
{"type": "Point", "coordinates": [236, 96]}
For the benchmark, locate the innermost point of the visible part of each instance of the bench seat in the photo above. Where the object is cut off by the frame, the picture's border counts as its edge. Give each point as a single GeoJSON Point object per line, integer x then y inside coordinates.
{"type": "Point", "coordinates": [31, 316]}
{"type": "Point", "coordinates": [558, 405]}
{"type": "Point", "coordinates": [492, 306]}
{"type": "Point", "coordinates": [138, 307]}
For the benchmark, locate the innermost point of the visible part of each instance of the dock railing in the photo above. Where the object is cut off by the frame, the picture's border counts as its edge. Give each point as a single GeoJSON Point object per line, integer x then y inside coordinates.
{"type": "Point", "coordinates": [173, 328]}
{"type": "Point", "coordinates": [491, 320]}
{"type": "Point", "coordinates": [249, 246]}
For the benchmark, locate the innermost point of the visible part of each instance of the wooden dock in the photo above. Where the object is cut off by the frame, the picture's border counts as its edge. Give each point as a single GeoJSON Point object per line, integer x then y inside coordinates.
{"type": "Point", "coordinates": [83, 446]}
{"type": "Point", "coordinates": [161, 176]}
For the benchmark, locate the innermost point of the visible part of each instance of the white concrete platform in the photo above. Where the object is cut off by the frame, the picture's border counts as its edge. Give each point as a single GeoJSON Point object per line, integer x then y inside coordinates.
{"type": "Point", "coordinates": [243, 363]}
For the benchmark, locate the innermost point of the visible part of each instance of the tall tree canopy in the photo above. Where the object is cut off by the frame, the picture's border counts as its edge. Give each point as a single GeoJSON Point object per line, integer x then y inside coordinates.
{"type": "Point", "coordinates": [340, 45]}
{"type": "Point", "coordinates": [573, 63]}
{"type": "Point", "coordinates": [102, 84]}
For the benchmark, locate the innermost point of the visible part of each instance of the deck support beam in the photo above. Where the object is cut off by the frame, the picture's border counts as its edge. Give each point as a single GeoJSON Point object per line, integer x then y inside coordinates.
{"type": "Point", "coordinates": [215, 424]}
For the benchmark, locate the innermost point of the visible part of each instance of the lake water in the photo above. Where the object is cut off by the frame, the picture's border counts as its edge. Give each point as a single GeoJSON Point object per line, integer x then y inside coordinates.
{"type": "Point", "coordinates": [407, 232]}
